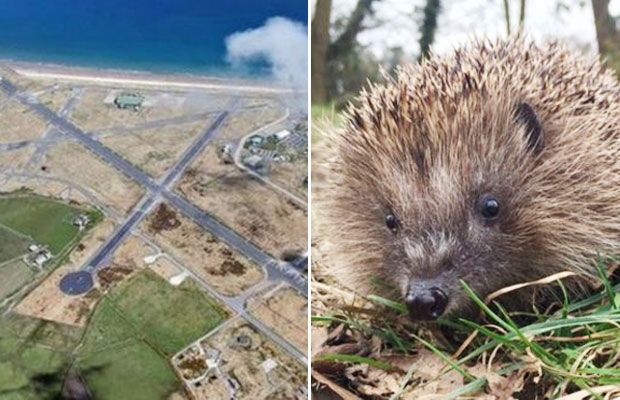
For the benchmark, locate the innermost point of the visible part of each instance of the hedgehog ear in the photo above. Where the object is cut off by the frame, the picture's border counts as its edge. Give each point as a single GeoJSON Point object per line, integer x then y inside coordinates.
{"type": "Point", "coordinates": [526, 115]}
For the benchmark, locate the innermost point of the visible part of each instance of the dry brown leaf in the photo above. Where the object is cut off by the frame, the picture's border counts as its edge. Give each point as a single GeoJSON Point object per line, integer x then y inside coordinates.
{"type": "Point", "coordinates": [318, 338]}
{"type": "Point", "coordinates": [609, 391]}
{"type": "Point", "coordinates": [339, 390]}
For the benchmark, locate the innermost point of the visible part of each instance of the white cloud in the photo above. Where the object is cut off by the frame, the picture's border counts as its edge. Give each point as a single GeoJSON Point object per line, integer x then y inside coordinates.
{"type": "Point", "coordinates": [283, 43]}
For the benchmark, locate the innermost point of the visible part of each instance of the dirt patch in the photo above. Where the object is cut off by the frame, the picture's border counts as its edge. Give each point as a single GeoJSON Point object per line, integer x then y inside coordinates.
{"type": "Point", "coordinates": [163, 219]}
{"type": "Point", "coordinates": [252, 209]}
{"type": "Point", "coordinates": [165, 268]}
{"type": "Point", "coordinates": [109, 277]}
{"type": "Point", "coordinates": [284, 310]}
{"type": "Point", "coordinates": [214, 262]}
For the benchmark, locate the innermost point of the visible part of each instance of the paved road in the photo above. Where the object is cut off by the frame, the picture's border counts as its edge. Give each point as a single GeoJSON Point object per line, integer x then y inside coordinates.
{"type": "Point", "coordinates": [139, 212]}
{"type": "Point", "coordinates": [190, 154]}
{"type": "Point", "coordinates": [160, 123]}
{"type": "Point", "coordinates": [104, 252]}
{"type": "Point", "coordinates": [15, 145]}
{"type": "Point", "coordinates": [275, 269]}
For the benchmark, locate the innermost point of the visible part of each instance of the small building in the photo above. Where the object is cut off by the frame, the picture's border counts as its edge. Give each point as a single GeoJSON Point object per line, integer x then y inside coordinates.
{"type": "Point", "coordinates": [268, 365]}
{"type": "Point", "coordinates": [283, 134]}
{"type": "Point", "coordinates": [255, 141]}
{"type": "Point", "coordinates": [81, 221]}
{"type": "Point", "coordinates": [255, 162]}
{"type": "Point", "coordinates": [225, 154]}
{"type": "Point", "coordinates": [129, 100]}
{"type": "Point", "coordinates": [34, 248]}
{"type": "Point", "coordinates": [40, 258]}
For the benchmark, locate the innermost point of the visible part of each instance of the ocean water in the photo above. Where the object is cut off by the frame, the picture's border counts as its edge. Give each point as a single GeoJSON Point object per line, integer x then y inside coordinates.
{"type": "Point", "coordinates": [164, 36]}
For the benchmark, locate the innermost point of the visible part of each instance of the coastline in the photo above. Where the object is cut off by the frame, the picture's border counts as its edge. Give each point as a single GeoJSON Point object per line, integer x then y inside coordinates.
{"type": "Point", "coordinates": [146, 79]}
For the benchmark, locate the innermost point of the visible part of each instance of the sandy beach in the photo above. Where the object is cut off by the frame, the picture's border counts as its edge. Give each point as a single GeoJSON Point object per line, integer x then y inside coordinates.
{"type": "Point", "coordinates": [106, 77]}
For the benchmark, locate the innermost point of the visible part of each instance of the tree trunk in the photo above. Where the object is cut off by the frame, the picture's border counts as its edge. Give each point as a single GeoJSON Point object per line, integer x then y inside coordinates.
{"type": "Point", "coordinates": [607, 36]}
{"type": "Point", "coordinates": [429, 26]}
{"type": "Point", "coordinates": [345, 42]}
{"type": "Point", "coordinates": [507, 15]}
{"type": "Point", "coordinates": [521, 15]}
{"type": "Point", "coordinates": [319, 45]}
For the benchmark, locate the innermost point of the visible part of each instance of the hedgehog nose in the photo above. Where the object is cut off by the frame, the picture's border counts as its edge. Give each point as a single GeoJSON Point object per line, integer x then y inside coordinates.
{"type": "Point", "coordinates": [426, 304]}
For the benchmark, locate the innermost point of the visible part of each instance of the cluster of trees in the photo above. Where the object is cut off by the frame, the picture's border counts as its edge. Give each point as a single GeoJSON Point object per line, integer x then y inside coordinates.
{"type": "Point", "coordinates": [340, 66]}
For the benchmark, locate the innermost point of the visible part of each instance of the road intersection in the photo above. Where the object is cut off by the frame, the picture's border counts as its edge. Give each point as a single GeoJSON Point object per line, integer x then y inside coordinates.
{"type": "Point", "coordinates": [157, 190]}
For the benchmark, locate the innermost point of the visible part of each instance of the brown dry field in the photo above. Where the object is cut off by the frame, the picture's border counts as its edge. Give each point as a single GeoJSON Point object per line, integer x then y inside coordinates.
{"type": "Point", "coordinates": [55, 98]}
{"type": "Point", "coordinates": [75, 163]}
{"type": "Point", "coordinates": [165, 268]}
{"type": "Point", "coordinates": [155, 150]}
{"type": "Point", "coordinates": [250, 208]}
{"type": "Point", "coordinates": [245, 365]}
{"type": "Point", "coordinates": [208, 166]}
{"type": "Point", "coordinates": [18, 122]}
{"type": "Point", "coordinates": [47, 302]}
{"type": "Point", "coordinates": [16, 159]}
{"type": "Point", "coordinates": [243, 122]}
{"type": "Point", "coordinates": [285, 311]}
{"type": "Point", "coordinates": [92, 113]}
{"type": "Point", "coordinates": [290, 175]}
{"type": "Point", "coordinates": [131, 253]}
{"type": "Point", "coordinates": [45, 188]}
{"type": "Point", "coordinates": [205, 255]}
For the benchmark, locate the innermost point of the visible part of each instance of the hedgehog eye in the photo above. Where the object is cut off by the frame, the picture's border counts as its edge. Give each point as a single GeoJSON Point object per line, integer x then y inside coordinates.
{"type": "Point", "coordinates": [391, 222]}
{"type": "Point", "coordinates": [489, 207]}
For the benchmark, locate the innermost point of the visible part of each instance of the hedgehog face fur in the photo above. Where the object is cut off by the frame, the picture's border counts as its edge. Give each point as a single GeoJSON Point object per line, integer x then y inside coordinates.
{"type": "Point", "coordinates": [497, 165]}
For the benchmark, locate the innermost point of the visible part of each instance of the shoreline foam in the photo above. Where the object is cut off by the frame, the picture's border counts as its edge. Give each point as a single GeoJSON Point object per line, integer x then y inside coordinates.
{"type": "Point", "coordinates": [102, 76]}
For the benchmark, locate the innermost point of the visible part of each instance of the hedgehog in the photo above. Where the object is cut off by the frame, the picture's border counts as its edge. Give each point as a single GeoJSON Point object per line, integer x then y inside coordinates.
{"type": "Point", "coordinates": [495, 165]}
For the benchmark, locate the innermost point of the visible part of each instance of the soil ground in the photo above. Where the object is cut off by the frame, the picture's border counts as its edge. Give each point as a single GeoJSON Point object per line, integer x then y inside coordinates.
{"type": "Point", "coordinates": [214, 262]}
{"type": "Point", "coordinates": [17, 122]}
{"type": "Point", "coordinates": [291, 175]}
{"type": "Point", "coordinates": [285, 311]}
{"type": "Point", "coordinates": [16, 159]}
{"type": "Point", "coordinates": [246, 364]}
{"type": "Point", "coordinates": [155, 150]}
{"type": "Point", "coordinates": [55, 98]}
{"type": "Point", "coordinates": [112, 187]}
{"type": "Point", "coordinates": [252, 209]}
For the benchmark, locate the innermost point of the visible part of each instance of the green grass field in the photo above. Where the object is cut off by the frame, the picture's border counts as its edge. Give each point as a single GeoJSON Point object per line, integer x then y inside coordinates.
{"type": "Point", "coordinates": [134, 331]}
{"type": "Point", "coordinates": [169, 317]}
{"type": "Point", "coordinates": [34, 356]}
{"type": "Point", "coordinates": [132, 370]}
{"type": "Point", "coordinates": [12, 245]}
{"type": "Point", "coordinates": [47, 221]}
{"type": "Point", "coordinates": [13, 276]}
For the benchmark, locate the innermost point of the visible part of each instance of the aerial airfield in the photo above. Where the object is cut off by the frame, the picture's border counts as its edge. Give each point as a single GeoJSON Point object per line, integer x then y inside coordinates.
{"type": "Point", "coordinates": [153, 237]}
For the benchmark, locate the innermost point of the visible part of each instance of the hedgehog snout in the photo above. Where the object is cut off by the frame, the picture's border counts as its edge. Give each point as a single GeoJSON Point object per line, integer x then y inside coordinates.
{"type": "Point", "coordinates": [425, 300]}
